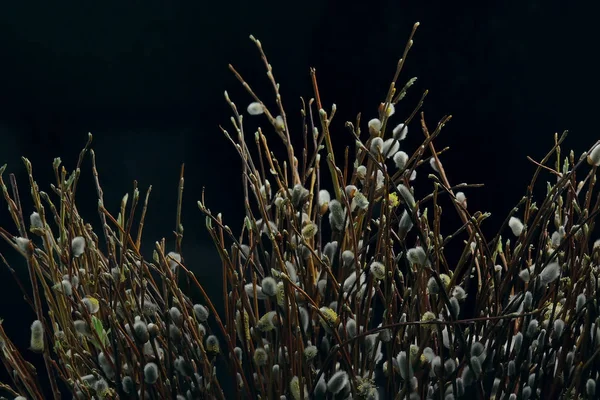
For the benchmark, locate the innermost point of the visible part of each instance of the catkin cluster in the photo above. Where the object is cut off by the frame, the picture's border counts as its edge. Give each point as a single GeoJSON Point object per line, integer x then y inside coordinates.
{"type": "Point", "coordinates": [343, 281]}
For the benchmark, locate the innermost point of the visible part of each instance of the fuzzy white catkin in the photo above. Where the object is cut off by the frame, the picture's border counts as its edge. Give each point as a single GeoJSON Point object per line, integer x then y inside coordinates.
{"type": "Point", "coordinates": [310, 352]}
{"type": "Point", "coordinates": [377, 146]}
{"type": "Point", "coordinates": [559, 326]}
{"type": "Point", "coordinates": [477, 349]}
{"type": "Point", "coordinates": [35, 220]}
{"type": "Point", "coordinates": [374, 125]}
{"type": "Point", "coordinates": [378, 270]}
{"type": "Point", "coordinates": [594, 157]}
{"type": "Point", "coordinates": [128, 385]}
{"type": "Point", "coordinates": [351, 328]}
{"type": "Point", "coordinates": [361, 172]}
{"type": "Point", "coordinates": [512, 368]}
{"type": "Point", "coordinates": [337, 382]}
{"type": "Point", "coordinates": [176, 316]}
{"type": "Point", "coordinates": [525, 275]}
{"type": "Point", "coordinates": [389, 110]}
{"type": "Point", "coordinates": [516, 226]}
{"type": "Point", "coordinates": [279, 123]}
{"type": "Point", "coordinates": [557, 237]}
{"type": "Point", "coordinates": [455, 307]}
{"type": "Point", "coordinates": [580, 302]}
{"type": "Point", "coordinates": [269, 286]}
{"type": "Point", "coordinates": [432, 286]}
{"type": "Point", "coordinates": [390, 147]}
{"type": "Point", "coordinates": [309, 230]}
{"type": "Point", "coordinates": [91, 304]}
{"type": "Point", "coordinates": [37, 336]}
{"type": "Point", "coordinates": [459, 293]}
{"type": "Point", "coordinates": [518, 339]}
{"type": "Point", "coordinates": [291, 271]}
{"type": "Point", "coordinates": [400, 159]}
{"type": "Point", "coordinates": [417, 256]}
{"type": "Point", "coordinates": [299, 194]}
{"type": "Point", "coordinates": [23, 244]}
{"type": "Point", "coordinates": [150, 373]}
{"type": "Point", "coordinates": [405, 368]}
{"type": "Point", "coordinates": [590, 388]}
{"type": "Point", "coordinates": [101, 388]}
{"type": "Point", "coordinates": [400, 132]}
{"type": "Point", "coordinates": [407, 196]}
{"type": "Point", "coordinates": [304, 318]}
{"type": "Point", "coordinates": [141, 331]}
{"type": "Point", "coordinates": [105, 364]}
{"type": "Point", "coordinates": [321, 388]}
{"type": "Point", "coordinates": [81, 327]}
{"type": "Point", "coordinates": [434, 165]}
{"type": "Point", "coordinates": [348, 258]}
{"type": "Point", "coordinates": [212, 344]}
{"type": "Point", "coordinates": [428, 354]}
{"type": "Point", "coordinates": [238, 353]}
{"type": "Point", "coordinates": [249, 288]}
{"type": "Point", "coordinates": [495, 387]}
{"type": "Point", "coordinates": [255, 108]}
{"type": "Point", "coordinates": [550, 273]}
{"type": "Point", "coordinates": [527, 301]}
{"type": "Point", "coordinates": [265, 190]}
{"type": "Point", "coordinates": [260, 357]}
{"type": "Point", "coordinates": [330, 249]}
{"type": "Point", "coordinates": [64, 287]}
{"type": "Point", "coordinates": [336, 215]}
{"type": "Point", "coordinates": [295, 388]}
{"type": "Point", "coordinates": [201, 312]}
{"type": "Point", "coordinates": [174, 260]}
{"type": "Point", "coordinates": [532, 328]}
{"type": "Point", "coordinates": [321, 286]}
{"type": "Point", "coordinates": [405, 224]}
{"type": "Point", "coordinates": [78, 246]}
{"type": "Point", "coordinates": [449, 366]}
{"type": "Point", "coordinates": [531, 380]}
{"type": "Point", "coordinates": [324, 197]}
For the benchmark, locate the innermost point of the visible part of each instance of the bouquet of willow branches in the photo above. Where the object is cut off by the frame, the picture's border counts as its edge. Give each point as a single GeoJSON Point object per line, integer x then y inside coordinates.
{"type": "Point", "coordinates": [341, 293]}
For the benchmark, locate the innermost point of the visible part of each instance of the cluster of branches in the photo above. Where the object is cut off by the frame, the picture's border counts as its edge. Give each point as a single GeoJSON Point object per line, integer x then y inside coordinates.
{"type": "Point", "coordinates": [340, 284]}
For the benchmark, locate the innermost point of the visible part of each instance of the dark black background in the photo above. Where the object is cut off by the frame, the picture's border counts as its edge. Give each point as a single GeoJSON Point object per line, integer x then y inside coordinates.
{"type": "Point", "coordinates": [147, 79]}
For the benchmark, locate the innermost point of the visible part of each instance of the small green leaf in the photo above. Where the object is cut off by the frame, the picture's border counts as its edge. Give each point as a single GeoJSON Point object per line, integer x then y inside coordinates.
{"type": "Point", "coordinates": [99, 328]}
